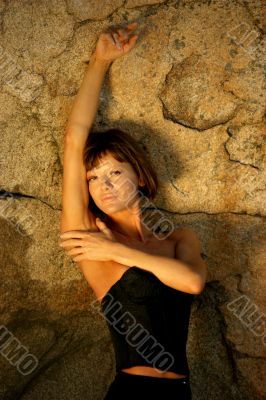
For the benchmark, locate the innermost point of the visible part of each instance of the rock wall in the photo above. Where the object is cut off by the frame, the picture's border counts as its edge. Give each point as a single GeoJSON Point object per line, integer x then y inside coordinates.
{"type": "Point", "coordinates": [192, 91]}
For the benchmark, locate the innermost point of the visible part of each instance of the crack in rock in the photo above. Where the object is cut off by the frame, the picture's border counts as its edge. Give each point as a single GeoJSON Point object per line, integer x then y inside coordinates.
{"type": "Point", "coordinates": [192, 99]}
{"type": "Point", "coordinates": [17, 195]}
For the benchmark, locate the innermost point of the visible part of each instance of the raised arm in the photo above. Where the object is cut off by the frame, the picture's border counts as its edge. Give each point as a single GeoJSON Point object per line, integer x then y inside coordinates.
{"type": "Point", "coordinates": [86, 101]}
{"type": "Point", "coordinates": [110, 46]}
{"type": "Point", "coordinates": [75, 192]}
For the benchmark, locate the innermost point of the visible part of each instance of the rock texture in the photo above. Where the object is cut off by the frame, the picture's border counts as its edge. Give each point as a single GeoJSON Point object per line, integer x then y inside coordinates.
{"type": "Point", "coordinates": [192, 91]}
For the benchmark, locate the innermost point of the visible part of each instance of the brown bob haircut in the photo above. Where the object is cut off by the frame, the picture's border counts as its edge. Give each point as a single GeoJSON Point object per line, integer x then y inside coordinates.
{"type": "Point", "coordinates": [123, 147]}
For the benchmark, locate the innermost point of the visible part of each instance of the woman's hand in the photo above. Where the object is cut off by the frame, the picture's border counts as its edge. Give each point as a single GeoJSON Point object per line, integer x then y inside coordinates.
{"type": "Point", "coordinates": [84, 245]}
{"type": "Point", "coordinates": [114, 43]}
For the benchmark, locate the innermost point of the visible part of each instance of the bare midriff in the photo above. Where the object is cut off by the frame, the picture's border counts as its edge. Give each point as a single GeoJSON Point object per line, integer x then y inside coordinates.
{"type": "Point", "coordinates": [149, 371]}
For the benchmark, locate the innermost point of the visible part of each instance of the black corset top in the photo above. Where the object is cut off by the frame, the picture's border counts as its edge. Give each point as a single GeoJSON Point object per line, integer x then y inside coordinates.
{"type": "Point", "coordinates": [148, 322]}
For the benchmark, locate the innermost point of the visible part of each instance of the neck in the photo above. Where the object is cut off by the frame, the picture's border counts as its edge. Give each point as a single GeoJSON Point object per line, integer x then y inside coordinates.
{"type": "Point", "coordinates": [130, 226]}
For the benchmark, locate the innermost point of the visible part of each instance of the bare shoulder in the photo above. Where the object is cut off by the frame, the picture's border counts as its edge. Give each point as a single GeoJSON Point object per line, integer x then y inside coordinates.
{"type": "Point", "coordinates": [188, 249]}
{"type": "Point", "coordinates": [187, 244]}
{"type": "Point", "coordinates": [182, 233]}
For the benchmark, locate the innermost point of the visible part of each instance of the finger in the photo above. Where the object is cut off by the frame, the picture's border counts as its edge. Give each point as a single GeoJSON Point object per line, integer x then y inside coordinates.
{"type": "Point", "coordinates": [75, 251]}
{"type": "Point", "coordinates": [132, 26]}
{"type": "Point", "coordinates": [71, 243]}
{"type": "Point", "coordinates": [116, 39]}
{"type": "Point", "coordinates": [72, 234]}
{"type": "Point", "coordinates": [103, 224]}
{"type": "Point", "coordinates": [123, 34]}
{"type": "Point", "coordinates": [104, 228]}
{"type": "Point", "coordinates": [66, 242]}
{"type": "Point", "coordinates": [131, 43]}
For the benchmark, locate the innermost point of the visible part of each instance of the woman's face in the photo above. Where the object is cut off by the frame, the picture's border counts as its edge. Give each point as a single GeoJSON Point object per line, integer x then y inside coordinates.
{"type": "Point", "coordinates": [116, 179]}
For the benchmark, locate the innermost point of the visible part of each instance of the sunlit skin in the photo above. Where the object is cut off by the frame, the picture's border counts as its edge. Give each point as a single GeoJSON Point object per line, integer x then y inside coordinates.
{"type": "Point", "coordinates": [119, 179]}
{"type": "Point", "coordinates": [123, 212]}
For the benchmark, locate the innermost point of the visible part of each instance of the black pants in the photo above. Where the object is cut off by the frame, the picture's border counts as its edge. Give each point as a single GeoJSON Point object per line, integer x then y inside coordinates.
{"type": "Point", "coordinates": [141, 387]}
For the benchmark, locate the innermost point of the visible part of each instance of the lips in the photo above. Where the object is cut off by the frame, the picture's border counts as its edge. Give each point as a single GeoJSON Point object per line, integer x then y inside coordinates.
{"type": "Point", "coordinates": [108, 197]}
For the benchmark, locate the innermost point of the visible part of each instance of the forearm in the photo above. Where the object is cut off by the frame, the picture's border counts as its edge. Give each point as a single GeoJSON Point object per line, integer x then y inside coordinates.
{"type": "Point", "coordinates": [86, 101]}
{"type": "Point", "coordinates": [171, 272]}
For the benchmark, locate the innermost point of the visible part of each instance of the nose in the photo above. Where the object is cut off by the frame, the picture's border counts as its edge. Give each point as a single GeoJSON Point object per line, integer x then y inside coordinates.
{"type": "Point", "coordinates": [106, 184]}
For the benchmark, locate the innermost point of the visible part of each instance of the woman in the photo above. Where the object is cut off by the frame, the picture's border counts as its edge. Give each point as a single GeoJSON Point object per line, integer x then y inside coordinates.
{"type": "Point", "coordinates": [149, 278]}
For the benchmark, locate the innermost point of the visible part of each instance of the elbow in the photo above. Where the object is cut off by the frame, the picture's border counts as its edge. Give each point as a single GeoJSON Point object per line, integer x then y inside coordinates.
{"type": "Point", "coordinates": [199, 280]}
{"type": "Point", "coordinates": [198, 283]}
{"type": "Point", "coordinates": [198, 286]}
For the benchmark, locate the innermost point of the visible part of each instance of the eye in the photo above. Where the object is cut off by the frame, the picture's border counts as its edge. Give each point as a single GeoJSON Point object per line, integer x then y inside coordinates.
{"type": "Point", "coordinates": [115, 172]}
{"type": "Point", "coordinates": [91, 178]}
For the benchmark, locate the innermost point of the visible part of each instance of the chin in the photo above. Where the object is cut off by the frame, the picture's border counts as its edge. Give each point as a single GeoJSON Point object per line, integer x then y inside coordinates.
{"type": "Point", "coordinates": [114, 208]}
